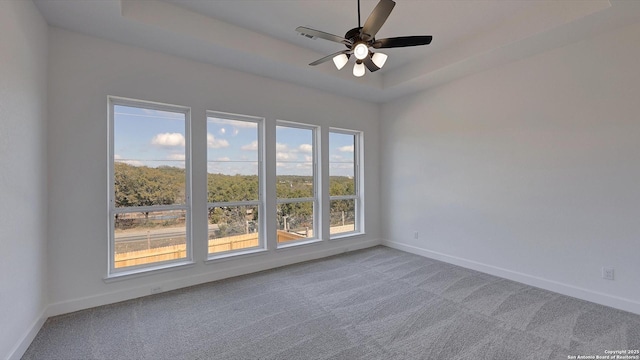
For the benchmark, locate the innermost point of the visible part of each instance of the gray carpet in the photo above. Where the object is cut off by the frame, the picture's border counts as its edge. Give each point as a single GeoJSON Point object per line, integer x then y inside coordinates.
{"type": "Point", "coordinates": [377, 303]}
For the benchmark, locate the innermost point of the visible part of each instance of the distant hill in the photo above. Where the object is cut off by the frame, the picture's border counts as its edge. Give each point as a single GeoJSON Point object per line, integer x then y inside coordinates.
{"type": "Point", "coordinates": [164, 185]}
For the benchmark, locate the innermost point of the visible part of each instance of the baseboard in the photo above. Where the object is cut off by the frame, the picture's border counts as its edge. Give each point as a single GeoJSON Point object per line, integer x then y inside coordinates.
{"type": "Point", "coordinates": [22, 346]}
{"type": "Point", "coordinates": [555, 286]}
{"type": "Point", "coordinates": [269, 263]}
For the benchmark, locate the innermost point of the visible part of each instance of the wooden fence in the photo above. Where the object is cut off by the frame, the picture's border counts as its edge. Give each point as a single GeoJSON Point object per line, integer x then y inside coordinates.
{"type": "Point", "coordinates": [140, 257]}
{"type": "Point", "coordinates": [233, 243]}
{"type": "Point", "coordinates": [174, 252]}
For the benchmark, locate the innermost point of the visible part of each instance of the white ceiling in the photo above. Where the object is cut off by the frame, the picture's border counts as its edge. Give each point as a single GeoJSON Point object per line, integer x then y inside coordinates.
{"type": "Point", "coordinates": [258, 36]}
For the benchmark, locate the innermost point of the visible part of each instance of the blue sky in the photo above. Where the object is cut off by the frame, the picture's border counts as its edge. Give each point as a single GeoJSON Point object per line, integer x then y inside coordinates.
{"type": "Point", "coordinates": [294, 151]}
{"type": "Point", "coordinates": [148, 137]}
{"type": "Point", "coordinates": [341, 154]}
{"type": "Point", "coordinates": [153, 138]}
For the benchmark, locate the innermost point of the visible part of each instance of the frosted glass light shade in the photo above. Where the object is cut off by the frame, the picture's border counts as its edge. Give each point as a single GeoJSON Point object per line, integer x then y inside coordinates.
{"type": "Point", "coordinates": [340, 61]}
{"type": "Point", "coordinates": [358, 70]}
{"type": "Point", "coordinates": [361, 51]}
{"type": "Point", "coordinates": [379, 59]}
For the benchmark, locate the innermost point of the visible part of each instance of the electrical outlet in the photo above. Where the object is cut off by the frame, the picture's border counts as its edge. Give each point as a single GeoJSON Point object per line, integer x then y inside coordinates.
{"type": "Point", "coordinates": [415, 234]}
{"type": "Point", "coordinates": [607, 273]}
{"type": "Point", "coordinates": [156, 290]}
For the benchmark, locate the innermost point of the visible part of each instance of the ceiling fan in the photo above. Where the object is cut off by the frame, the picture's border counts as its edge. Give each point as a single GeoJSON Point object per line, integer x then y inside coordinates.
{"type": "Point", "coordinates": [361, 40]}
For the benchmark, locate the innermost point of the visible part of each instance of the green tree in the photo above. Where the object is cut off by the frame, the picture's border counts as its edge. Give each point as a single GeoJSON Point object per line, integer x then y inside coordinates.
{"type": "Point", "coordinates": [145, 186]}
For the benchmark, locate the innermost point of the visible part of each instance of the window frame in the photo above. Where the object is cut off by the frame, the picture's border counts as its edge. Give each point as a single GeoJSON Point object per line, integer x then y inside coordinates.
{"type": "Point", "coordinates": [358, 175]}
{"type": "Point", "coordinates": [315, 200]}
{"type": "Point", "coordinates": [260, 203]}
{"type": "Point", "coordinates": [112, 210]}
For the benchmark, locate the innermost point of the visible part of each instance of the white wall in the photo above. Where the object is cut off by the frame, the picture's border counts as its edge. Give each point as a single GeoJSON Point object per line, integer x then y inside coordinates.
{"type": "Point", "coordinates": [529, 171]}
{"type": "Point", "coordinates": [23, 106]}
{"type": "Point", "coordinates": [83, 72]}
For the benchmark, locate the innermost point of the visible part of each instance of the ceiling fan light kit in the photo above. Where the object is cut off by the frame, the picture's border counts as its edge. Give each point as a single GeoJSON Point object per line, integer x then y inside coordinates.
{"type": "Point", "coordinates": [358, 69]}
{"type": "Point", "coordinates": [379, 59]}
{"type": "Point", "coordinates": [361, 51]}
{"type": "Point", "coordinates": [340, 61]}
{"type": "Point", "coordinates": [361, 41]}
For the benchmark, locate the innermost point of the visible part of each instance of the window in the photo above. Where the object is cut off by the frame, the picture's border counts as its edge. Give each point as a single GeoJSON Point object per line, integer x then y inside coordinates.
{"type": "Point", "coordinates": [296, 185]}
{"type": "Point", "coordinates": [149, 188]}
{"type": "Point", "coordinates": [234, 183]}
{"type": "Point", "coordinates": [344, 182]}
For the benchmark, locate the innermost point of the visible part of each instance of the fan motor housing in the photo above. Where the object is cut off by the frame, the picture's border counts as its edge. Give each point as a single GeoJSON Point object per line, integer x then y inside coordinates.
{"type": "Point", "coordinates": [354, 36]}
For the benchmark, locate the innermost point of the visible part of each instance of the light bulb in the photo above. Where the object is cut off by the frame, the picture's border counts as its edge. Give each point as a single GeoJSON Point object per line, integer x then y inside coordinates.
{"type": "Point", "coordinates": [361, 51]}
{"type": "Point", "coordinates": [340, 61]}
{"type": "Point", "coordinates": [358, 69]}
{"type": "Point", "coordinates": [379, 59]}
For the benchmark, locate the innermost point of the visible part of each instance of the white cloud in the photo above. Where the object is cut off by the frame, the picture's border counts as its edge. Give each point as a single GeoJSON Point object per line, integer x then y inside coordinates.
{"type": "Point", "coordinates": [180, 157]}
{"type": "Point", "coordinates": [230, 168]}
{"type": "Point", "coordinates": [303, 166]}
{"type": "Point", "coordinates": [168, 139]}
{"type": "Point", "coordinates": [133, 162]}
{"type": "Point", "coordinates": [224, 158]}
{"type": "Point", "coordinates": [233, 131]}
{"type": "Point", "coordinates": [118, 158]}
{"type": "Point", "coordinates": [341, 166]}
{"type": "Point", "coordinates": [284, 156]}
{"type": "Point", "coordinates": [214, 143]}
{"type": "Point", "coordinates": [307, 148]}
{"type": "Point", "coordinates": [308, 158]}
{"type": "Point", "coordinates": [250, 147]}
{"type": "Point", "coordinates": [348, 148]}
{"type": "Point", "coordinates": [284, 153]}
{"type": "Point", "coordinates": [289, 168]}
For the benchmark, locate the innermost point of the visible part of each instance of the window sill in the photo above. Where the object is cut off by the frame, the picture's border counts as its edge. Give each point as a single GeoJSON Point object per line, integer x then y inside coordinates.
{"type": "Point", "coordinates": [290, 245]}
{"type": "Point", "coordinates": [348, 235]}
{"type": "Point", "coordinates": [235, 255]}
{"type": "Point", "coordinates": [132, 274]}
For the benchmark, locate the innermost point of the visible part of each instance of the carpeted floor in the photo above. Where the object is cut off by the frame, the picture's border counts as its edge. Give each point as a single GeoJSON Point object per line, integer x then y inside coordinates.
{"type": "Point", "coordinates": [377, 303]}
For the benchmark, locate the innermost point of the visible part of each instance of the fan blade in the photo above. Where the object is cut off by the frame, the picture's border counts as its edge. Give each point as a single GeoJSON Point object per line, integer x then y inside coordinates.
{"type": "Point", "coordinates": [329, 57]}
{"type": "Point", "coordinates": [377, 18]}
{"type": "Point", "coordinates": [402, 41]}
{"type": "Point", "coordinates": [311, 33]}
{"type": "Point", "coordinates": [369, 64]}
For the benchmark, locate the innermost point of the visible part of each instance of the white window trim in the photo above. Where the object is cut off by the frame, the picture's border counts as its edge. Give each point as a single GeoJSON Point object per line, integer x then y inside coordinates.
{"type": "Point", "coordinates": [358, 173]}
{"type": "Point", "coordinates": [262, 229]}
{"type": "Point", "coordinates": [112, 272]}
{"type": "Point", "coordinates": [317, 207]}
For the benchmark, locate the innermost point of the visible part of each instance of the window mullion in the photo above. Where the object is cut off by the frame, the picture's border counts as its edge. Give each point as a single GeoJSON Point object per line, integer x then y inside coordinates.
{"type": "Point", "coordinates": [343, 197]}
{"type": "Point", "coordinates": [295, 200]}
{"type": "Point", "coordinates": [234, 203]}
{"type": "Point", "coordinates": [133, 209]}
